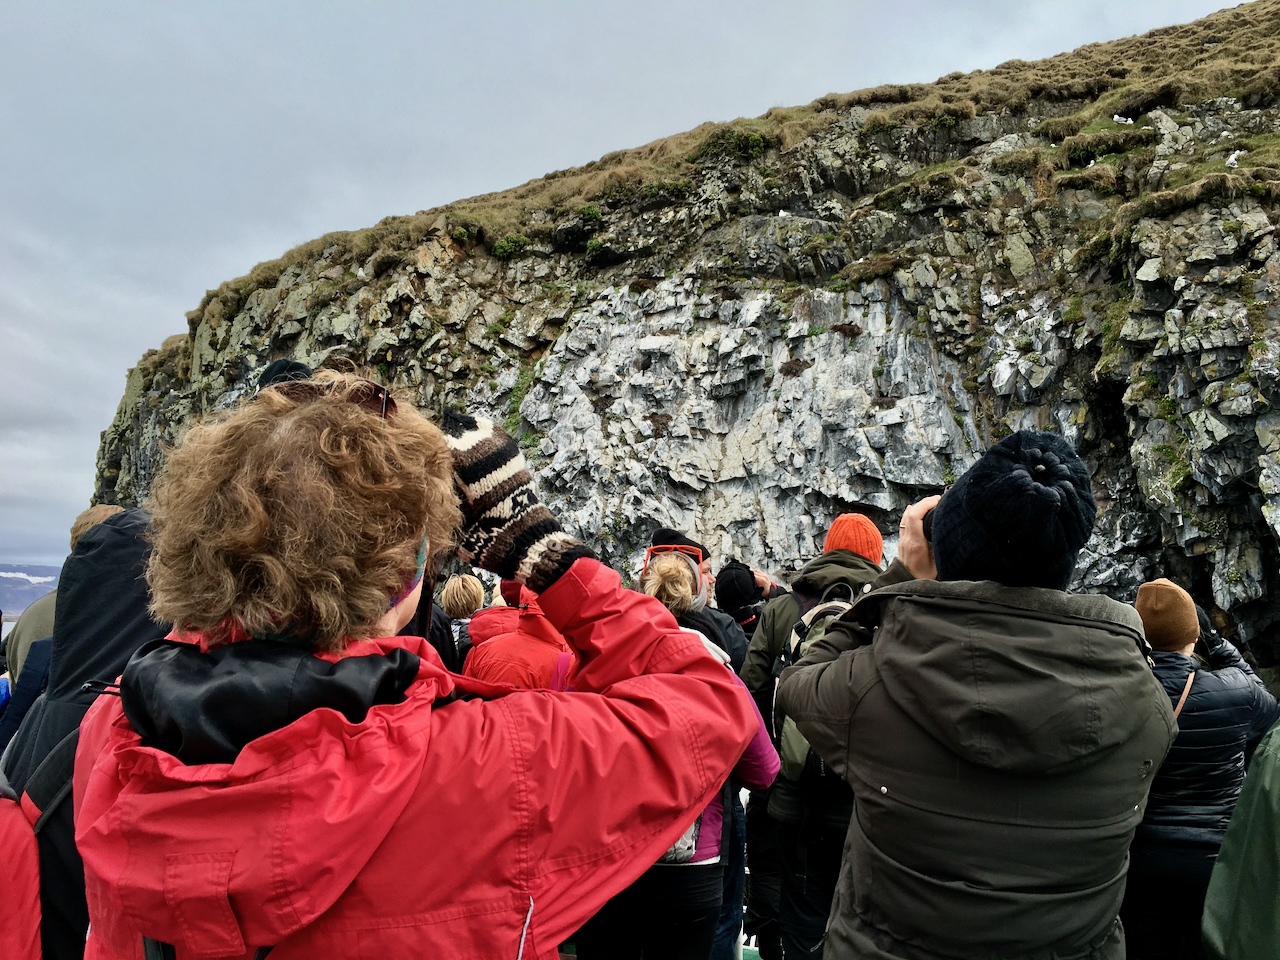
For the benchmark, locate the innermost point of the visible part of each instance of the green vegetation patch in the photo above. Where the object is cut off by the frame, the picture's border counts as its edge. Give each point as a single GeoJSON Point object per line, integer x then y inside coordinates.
{"type": "Point", "coordinates": [1036, 161]}
{"type": "Point", "coordinates": [1084, 147]}
{"type": "Point", "coordinates": [1100, 177]}
{"type": "Point", "coordinates": [675, 189]}
{"type": "Point", "coordinates": [873, 268]}
{"type": "Point", "coordinates": [925, 188]}
{"type": "Point", "coordinates": [1178, 474]}
{"type": "Point", "coordinates": [1057, 129]}
{"type": "Point", "coordinates": [931, 113]}
{"type": "Point", "coordinates": [1112, 349]}
{"type": "Point", "coordinates": [518, 392]}
{"type": "Point", "coordinates": [509, 246]}
{"type": "Point", "coordinates": [731, 144]}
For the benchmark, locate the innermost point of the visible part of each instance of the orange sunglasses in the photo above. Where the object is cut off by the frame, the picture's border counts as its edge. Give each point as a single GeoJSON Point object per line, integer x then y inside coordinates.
{"type": "Point", "coordinates": [687, 550]}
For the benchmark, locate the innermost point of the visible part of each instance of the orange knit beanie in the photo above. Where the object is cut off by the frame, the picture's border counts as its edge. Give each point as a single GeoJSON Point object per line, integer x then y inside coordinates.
{"type": "Point", "coordinates": [853, 531]}
{"type": "Point", "coordinates": [1168, 614]}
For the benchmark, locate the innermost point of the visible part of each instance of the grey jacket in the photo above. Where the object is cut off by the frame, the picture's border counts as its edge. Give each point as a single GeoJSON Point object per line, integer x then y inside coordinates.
{"type": "Point", "coordinates": [1000, 743]}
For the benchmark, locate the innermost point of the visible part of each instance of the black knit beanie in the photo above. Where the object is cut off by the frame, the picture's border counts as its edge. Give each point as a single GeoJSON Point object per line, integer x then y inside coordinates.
{"type": "Point", "coordinates": [666, 537]}
{"type": "Point", "coordinates": [736, 587]}
{"type": "Point", "coordinates": [1018, 516]}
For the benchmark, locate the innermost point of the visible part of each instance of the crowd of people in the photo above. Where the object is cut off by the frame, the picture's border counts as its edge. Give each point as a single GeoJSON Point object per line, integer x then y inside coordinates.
{"type": "Point", "coordinates": [249, 723]}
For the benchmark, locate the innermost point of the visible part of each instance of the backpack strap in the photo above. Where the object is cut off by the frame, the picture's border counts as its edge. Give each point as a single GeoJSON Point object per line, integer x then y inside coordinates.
{"type": "Point", "coordinates": [803, 626]}
{"type": "Point", "coordinates": [726, 798]}
{"type": "Point", "coordinates": [50, 785]}
{"type": "Point", "coordinates": [1185, 691]}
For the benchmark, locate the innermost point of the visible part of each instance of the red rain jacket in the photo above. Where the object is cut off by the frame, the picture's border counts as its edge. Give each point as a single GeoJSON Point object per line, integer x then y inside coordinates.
{"type": "Point", "coordinates": [19, 880]}
{"type": "Point", "coordinates": [491, 622]}
{"type": "Point", "coordinates": [482, 828]}
{"type": "Point", "coordinates": [524, 657]}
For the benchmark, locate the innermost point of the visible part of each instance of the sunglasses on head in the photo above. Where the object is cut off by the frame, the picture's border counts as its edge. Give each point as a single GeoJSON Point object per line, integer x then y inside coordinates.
{"type": "Point", "coordinates": [373, 397]}
{"type": "Point", "coordinates": [661, 548]}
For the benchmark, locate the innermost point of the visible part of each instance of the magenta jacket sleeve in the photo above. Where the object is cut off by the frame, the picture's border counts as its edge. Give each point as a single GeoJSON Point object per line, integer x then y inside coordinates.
{"type": "Point", "coordinates": [759, 765]}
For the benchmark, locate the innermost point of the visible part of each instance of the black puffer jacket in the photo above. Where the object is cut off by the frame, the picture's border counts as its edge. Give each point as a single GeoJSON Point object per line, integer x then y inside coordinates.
{"type": "Point", "coordinates": [1227, 712]}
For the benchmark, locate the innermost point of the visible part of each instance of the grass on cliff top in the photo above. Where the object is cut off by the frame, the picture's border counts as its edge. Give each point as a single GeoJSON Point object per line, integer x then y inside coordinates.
{"type": "Point", "coordinates": [625, 172]}
{"type": "Point", "coordinates": [1232, 52]}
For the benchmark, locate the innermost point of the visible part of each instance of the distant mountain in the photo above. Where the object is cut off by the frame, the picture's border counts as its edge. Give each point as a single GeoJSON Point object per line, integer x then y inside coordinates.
{"type": "Point", "coordinates": [22, 584]}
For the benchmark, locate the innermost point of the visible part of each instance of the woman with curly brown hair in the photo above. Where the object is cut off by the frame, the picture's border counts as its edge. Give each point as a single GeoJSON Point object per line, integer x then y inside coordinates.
{"type": "Point", "coordinates": [285, 773]}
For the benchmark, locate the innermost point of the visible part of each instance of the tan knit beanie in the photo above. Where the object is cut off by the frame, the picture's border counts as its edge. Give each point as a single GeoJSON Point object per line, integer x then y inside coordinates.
{"type": "Point", "coordinates": [1168, 615]}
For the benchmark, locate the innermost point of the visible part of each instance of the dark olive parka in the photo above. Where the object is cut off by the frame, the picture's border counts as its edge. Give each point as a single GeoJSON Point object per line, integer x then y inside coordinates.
{"type": "Point", "coordinates": [1000, 743]}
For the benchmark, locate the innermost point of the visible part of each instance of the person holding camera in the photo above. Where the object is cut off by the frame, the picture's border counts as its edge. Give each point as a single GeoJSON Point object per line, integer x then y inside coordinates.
{"type": "Point", "coordinates": [999, 734]}
{"type": "Point", "coordinates": [287, 774]}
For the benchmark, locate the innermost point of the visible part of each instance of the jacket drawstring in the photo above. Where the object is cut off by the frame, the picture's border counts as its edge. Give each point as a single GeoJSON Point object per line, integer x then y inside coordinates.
{"type": "Point", "coordinates": [98, 687]}
{"type": "Point", "coordinates": [528, 918]}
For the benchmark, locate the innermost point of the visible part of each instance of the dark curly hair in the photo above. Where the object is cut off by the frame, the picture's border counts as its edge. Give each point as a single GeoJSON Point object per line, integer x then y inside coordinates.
{"type": "Point", "coordinates": [298, 517]}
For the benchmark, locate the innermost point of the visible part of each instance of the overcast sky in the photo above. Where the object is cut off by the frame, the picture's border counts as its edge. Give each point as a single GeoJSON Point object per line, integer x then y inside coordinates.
{"type": "Point", "coordinates": [149, 151]}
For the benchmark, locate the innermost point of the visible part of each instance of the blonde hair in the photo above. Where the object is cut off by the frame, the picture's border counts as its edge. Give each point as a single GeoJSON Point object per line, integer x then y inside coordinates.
{"type": "Point", "coordinates": [298, 514]}
{"type": "Point", "coordinates": [462, 596]}
{"type": "Point", "coordinates": [671, 579]}
{"type": "Point", "coordinates": [91, 518]}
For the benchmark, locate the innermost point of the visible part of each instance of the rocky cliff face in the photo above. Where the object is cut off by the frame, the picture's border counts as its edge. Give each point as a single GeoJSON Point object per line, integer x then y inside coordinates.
{"type": "Point", "coordinates": [786, 332]}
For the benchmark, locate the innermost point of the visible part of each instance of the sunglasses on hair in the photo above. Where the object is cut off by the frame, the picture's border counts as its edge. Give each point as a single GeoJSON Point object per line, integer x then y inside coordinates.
{"type": "Point", "coordinates": [373, 397]}
{"type": "Point", "coordinates": [688, 551]}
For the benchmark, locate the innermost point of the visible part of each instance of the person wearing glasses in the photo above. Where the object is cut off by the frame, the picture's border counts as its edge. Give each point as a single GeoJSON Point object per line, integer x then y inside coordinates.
{"type": "Point", "coordinates": [999, 734]}
{"type": "Point", "coordinates": [285, 773]}
{"type": "Point", "coordinates": [718, 625]}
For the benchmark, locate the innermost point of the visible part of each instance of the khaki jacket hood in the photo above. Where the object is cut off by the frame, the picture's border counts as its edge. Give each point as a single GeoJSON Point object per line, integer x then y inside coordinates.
{"type": "Point", "coordinates": [835, 566]}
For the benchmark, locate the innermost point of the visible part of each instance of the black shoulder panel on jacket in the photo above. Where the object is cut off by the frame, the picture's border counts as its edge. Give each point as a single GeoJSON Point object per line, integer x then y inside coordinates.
{"type": "Point", "coordinates": [204, 707]}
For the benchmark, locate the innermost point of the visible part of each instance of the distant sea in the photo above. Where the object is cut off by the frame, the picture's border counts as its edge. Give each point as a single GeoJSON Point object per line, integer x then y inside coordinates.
{"type": "Point", "coordinates": [21, 584]}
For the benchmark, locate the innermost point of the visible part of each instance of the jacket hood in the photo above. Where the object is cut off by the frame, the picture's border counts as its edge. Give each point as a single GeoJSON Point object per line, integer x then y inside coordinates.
{"type": "Point", "coordinates": [100, 619]}
{"type": "Point", "coordinates": [835, 566]}
{"type": "Point", "coordinates": [280, 830]}
{"type": "Point", "coordinates": [101, 616]}
{"type": "Point", "coordinates": [493, 622]}
{"type": "Point", "coordinates": [1021, 679]}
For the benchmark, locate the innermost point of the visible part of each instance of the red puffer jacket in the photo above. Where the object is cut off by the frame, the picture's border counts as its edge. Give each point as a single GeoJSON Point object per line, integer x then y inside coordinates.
{"type": "Point", "coordinates": [525, 657]}
{"type": "Point", "coordinates": [480, 828]}
{"type": "Point", "coordinates": [492, 622]}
